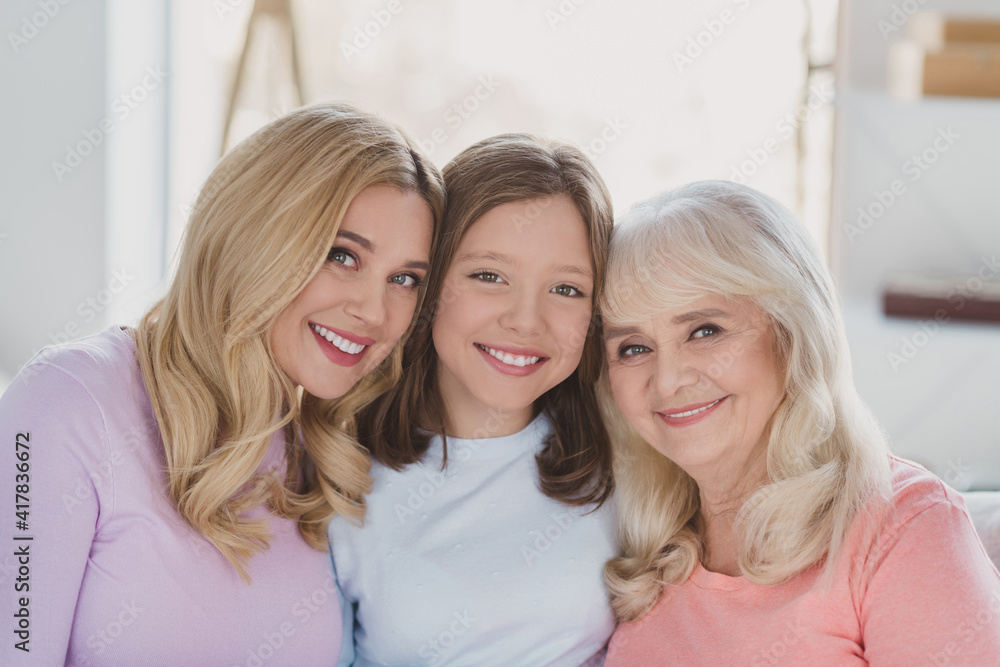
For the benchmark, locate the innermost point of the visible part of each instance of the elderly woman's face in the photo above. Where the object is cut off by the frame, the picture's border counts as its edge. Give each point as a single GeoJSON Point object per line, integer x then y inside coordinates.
{"type": "Point", "coordinates": [699, 383]}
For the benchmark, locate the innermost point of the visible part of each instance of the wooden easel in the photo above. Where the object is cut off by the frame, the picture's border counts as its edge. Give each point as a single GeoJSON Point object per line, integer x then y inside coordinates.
{"type": "Point", "coordinates": [280, 12]}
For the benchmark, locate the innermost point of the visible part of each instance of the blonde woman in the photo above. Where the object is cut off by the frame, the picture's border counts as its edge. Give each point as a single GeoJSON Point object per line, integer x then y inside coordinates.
{"type": "Point", "coordinates": [763, 519]}
{"type": "Point", "coordinates": [181, 475]}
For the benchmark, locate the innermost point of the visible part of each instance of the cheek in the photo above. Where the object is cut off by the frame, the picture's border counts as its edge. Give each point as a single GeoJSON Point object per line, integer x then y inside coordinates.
{"type": "Point", "coordinates": [400, 315]}
{"type": "Point", "coordinates": [624, 388]}
{"type": "Point", "coordinates": [571, 330]}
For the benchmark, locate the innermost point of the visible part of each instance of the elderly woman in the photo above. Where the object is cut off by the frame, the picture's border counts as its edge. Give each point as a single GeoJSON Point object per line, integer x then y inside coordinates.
{"type": "Point", "coordinates": [764, 520]}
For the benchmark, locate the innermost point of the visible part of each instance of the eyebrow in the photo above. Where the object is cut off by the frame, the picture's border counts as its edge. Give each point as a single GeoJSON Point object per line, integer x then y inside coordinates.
{"type": "Point", "coordinates": [618, 332]}
{"type": "Point", "coordinates": [699, 314]}
{"type": "Point", "coordinates": [357, 238]}
{"type": "Point", "coordinates": [370, 247]}
{"type": "Point", "coordinates": [508, 260]}
{"type": "Point", "coordinates": [487, 256]}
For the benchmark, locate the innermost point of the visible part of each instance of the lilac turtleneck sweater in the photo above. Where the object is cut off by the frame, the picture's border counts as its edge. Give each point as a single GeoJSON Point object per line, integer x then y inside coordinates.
{"type": "Point", "coordinates": [111, 574]}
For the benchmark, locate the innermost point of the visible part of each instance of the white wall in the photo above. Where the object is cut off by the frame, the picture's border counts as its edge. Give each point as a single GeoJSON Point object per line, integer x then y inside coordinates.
{"type": "Point", "coordinates": [77, 249]}
{"type": "Point", "coordinates": [933, 385]}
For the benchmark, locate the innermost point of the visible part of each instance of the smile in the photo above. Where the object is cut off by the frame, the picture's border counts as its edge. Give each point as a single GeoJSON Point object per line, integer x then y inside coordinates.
{"type": "Point", "coordinates": [507, 358]}
{"type": "Point", "coordinates": [338, 342]}
{"type": "Point", "coordinates": [691, 412]}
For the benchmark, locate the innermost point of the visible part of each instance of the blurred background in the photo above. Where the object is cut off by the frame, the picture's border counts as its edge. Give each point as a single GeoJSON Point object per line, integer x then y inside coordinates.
{"type": "Point", "coordinates": [114, 113]}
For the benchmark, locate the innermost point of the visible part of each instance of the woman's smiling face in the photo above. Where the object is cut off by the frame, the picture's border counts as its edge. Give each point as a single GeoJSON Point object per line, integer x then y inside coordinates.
{"type": "Point", "coordinates": [514, 311]}
{"type": "Point", "coordinates": [699, 383]}
{"type": "Point", "coordinates": [352, 313]}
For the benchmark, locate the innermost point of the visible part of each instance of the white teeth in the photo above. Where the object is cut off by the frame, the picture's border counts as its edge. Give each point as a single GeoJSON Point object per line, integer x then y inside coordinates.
{"type": "Point", "coordinates": [338, 342]}
{"type": "Point", "coordinates": [691, 412]}
{"type": "Point", "coordinates": [510, 359]}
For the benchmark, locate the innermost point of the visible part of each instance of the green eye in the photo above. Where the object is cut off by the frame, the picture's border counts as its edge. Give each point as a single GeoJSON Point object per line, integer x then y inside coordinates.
{"type": "Point", "coordinates": [567, 290]}
{"type": "Point", "coordinates": [487, 276]}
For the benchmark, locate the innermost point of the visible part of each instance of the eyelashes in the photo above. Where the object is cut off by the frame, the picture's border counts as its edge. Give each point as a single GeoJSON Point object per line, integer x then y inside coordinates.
{"type": "Point", "coordinates": [703, 332]}
{"type": "Point", "coordinates": [349, 260]}
{"type": "Point", "coordinates": [492, 277]}
{"type": "Point", "coordinates": [342, 256]}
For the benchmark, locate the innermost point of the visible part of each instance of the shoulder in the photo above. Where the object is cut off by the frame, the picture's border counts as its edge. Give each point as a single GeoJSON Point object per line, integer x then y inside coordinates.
{"type": "Point", "coordinates": [920, 511]}
{"type": "Point", "coordinates": [916, 490]}
{"type": "Point", "coordinates": [95, 362]}
{"type": "Point", "coordinates": [88, 387]}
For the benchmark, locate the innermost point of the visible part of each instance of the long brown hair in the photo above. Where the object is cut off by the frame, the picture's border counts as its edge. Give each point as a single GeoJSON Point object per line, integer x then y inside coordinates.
{"type": "Point", "coordinates": [575, 463]}
{"type": "Point", "coordinates": [260, 230]}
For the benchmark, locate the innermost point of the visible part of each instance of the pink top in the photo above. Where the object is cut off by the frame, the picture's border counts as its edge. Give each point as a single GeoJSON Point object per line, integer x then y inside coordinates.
{"type": "Point", "coordinates": [113, 575]}
{"type": "Point", "coordinates": [924, 594]}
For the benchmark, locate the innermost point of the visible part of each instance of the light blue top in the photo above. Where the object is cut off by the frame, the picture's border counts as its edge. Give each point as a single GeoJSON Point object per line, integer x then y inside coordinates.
{"type": "Point", "coordinates": [474, 565]}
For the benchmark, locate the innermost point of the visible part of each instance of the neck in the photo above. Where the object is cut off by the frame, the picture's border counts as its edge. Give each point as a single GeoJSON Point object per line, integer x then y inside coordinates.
{"type": "Point", "coordinates": [722, 491]}
{"type": "Point", "coordinates": [466, 417]}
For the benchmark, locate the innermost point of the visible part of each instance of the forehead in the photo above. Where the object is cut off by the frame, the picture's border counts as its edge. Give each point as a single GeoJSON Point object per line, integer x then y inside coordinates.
{"type": "Point", "coordinates": [389, 219]}
{"type": "Point", "coordinates": [548, 229]}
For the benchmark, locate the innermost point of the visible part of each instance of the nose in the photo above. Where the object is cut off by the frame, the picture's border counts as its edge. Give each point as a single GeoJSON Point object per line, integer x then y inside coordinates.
{"type": "Point", "coordinates": [523, 314]}
{"type": "Point", "coordinates": [367, 301]}
{"type": "Point", "coordinates": [672, 373]}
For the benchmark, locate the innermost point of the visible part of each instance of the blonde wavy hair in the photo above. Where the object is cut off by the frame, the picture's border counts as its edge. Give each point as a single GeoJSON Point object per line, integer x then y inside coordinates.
{"type": "Point", "coordinates": [827, 457]}
{"type": "Point", "coordinates": [260, 230]}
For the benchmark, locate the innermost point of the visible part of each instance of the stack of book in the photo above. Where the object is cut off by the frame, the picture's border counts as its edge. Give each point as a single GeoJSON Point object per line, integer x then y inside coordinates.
{"type": "Point", "coordinates": [943, 298]}
{"type": "Point", "coordinates": [946, 55]}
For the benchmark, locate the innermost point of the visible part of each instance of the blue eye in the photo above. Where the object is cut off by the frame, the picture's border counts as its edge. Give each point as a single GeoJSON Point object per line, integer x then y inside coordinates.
{"type": "Point", "coordinates": [632, 350]}
{"type": "Point", "coordinates": [706, 330]}
{"type": "Point", "coordinates": [341, 256]}
{"type": "Point", "coordinates": [406, 280]}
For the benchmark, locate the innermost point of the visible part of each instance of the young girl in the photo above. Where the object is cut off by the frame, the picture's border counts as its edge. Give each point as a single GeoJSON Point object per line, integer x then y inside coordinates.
{"type": "Point", "coordinates": [178, 478]}
{"type": "Point", "coordinates": [486, 531]}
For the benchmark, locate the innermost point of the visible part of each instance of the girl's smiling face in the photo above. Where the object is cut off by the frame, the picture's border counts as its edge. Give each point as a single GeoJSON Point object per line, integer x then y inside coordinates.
{"type": "Point", "coordinates": [699, 383]}
{"type": "Point", "coordinates": [513, 315]}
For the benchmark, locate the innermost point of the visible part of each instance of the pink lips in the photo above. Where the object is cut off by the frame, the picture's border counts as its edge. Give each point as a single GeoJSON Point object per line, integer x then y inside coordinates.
{"type": "Point", "coordinates": [691, 419]}
{"type": "Point", "coordinates": [506, 369]}
{"type": "Point", "coordinates": [335, 354]}
{"type": "Point", "coordinates": [347, 335]}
